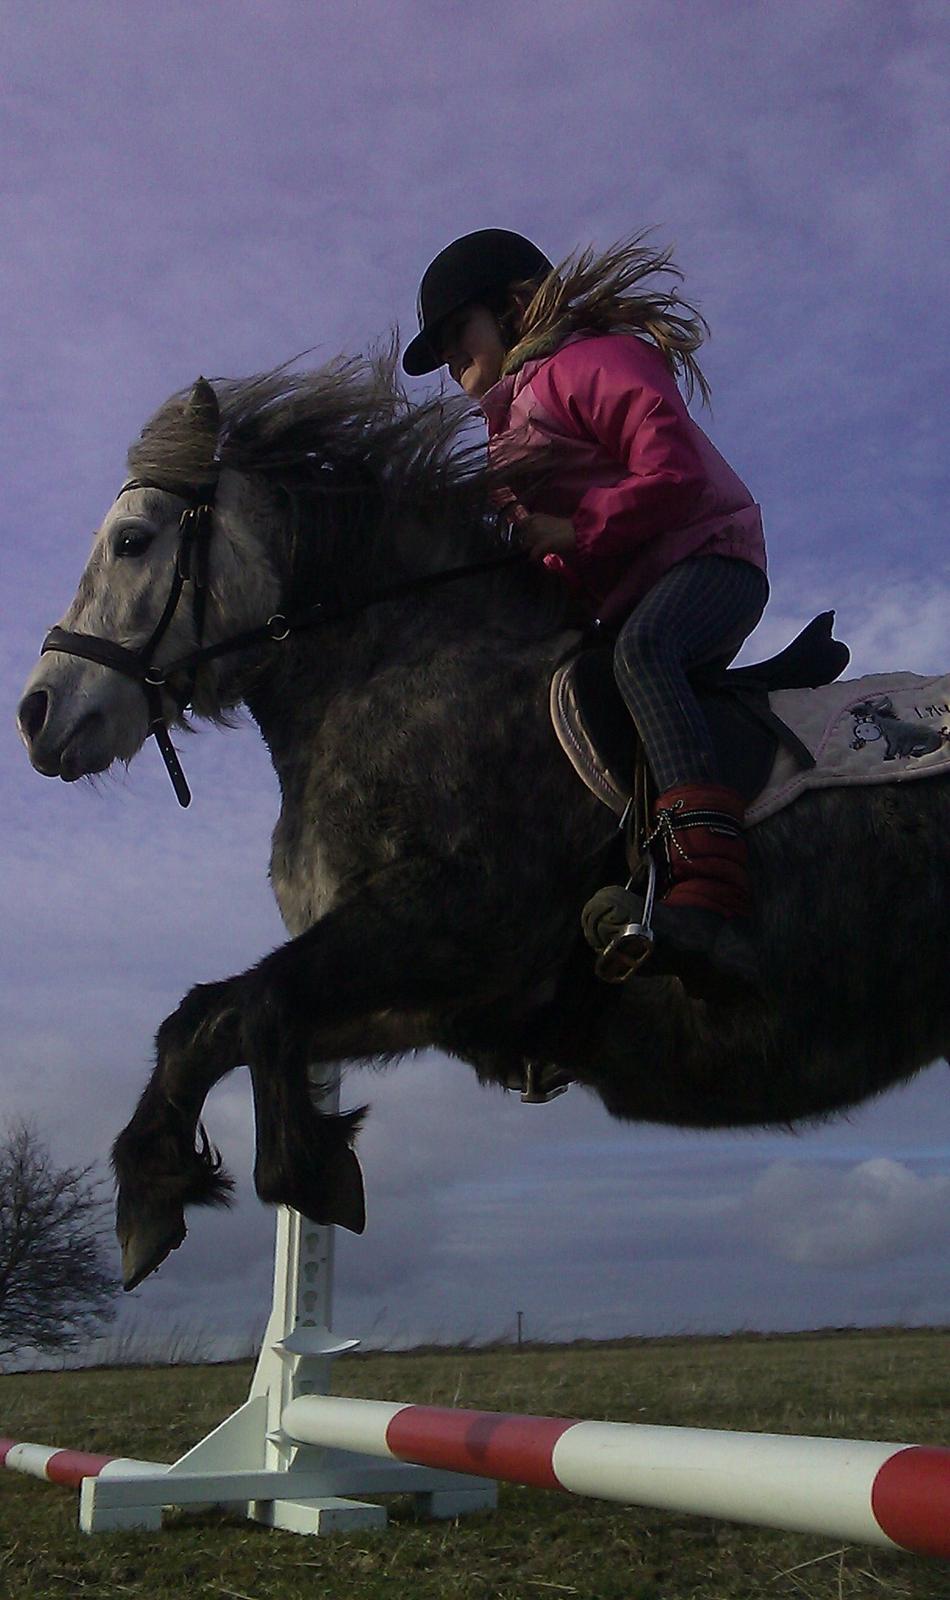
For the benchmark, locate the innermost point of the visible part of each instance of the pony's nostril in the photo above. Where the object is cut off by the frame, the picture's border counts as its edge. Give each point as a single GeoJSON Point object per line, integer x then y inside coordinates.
{"type": "Point", "coordinates": [33, 712]}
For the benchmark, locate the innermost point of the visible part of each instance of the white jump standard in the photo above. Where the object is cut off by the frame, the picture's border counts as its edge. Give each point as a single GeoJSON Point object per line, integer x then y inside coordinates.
{"type": "Point", "coordinates": [248, 1462]}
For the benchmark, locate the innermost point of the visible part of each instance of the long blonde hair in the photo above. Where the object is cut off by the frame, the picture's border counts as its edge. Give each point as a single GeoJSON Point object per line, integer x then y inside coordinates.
{"type": "Point", "coordinates": [590, 291]}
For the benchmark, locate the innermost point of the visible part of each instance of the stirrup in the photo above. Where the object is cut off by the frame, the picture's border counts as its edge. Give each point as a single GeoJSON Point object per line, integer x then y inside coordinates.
{"type": "Point", "coordinates": [625, 954]}
{"type": "Point", "coordinates": [540, 1084]}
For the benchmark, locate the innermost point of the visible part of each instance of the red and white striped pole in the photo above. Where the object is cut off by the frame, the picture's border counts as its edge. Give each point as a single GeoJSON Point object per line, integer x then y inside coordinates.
{"type": "Point", "coordinates": [893, 1495]}
{"type": "Point", "coordinates": [69, 1467]}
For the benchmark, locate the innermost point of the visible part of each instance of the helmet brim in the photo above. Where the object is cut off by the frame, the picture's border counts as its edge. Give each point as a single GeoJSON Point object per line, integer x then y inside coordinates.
{"type": "Point", "coordinates": [420, 357]}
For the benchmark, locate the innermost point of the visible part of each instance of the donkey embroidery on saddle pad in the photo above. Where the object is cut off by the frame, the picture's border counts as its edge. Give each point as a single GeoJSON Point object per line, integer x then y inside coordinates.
{"type": "Point", "coordinates": [434, 848]}
{"type": "Point", "coordinates": [876, 719]}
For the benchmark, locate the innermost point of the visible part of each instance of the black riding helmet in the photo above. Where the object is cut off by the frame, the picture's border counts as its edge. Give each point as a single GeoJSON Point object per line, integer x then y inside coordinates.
{"type": "Point", "coordinates": [475, 265]}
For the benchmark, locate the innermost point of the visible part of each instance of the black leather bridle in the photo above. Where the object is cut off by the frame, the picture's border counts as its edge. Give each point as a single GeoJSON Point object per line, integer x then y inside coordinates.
{"type": "Point", "coordinates": [191, 566]}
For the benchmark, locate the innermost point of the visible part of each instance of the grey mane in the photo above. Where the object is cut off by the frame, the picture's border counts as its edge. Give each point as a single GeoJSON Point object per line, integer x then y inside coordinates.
{"type": "Point", "coordinates": [370, 482]}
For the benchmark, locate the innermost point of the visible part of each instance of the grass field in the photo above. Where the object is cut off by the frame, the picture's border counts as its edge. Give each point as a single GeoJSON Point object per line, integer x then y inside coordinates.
{"type": "Point", "coordinates": [538, 1546]}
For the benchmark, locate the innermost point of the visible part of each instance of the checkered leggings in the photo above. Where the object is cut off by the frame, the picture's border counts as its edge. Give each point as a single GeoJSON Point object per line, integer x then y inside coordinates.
{"type": "Point", "coordinates": [698, 612]}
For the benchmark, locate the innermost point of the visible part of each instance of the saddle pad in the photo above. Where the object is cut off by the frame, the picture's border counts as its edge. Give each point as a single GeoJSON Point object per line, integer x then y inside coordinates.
{"type": "Point", "coordinates": [886, 728]}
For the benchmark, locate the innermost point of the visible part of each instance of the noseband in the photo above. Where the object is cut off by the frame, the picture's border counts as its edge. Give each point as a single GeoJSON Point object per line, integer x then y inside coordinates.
{"type": "Point", "coordinates": [191, 566]}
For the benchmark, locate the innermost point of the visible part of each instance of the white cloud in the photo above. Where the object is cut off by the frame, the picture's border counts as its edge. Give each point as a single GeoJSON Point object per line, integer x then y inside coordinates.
{"type": "Point", "coordinates": [872, 1212]}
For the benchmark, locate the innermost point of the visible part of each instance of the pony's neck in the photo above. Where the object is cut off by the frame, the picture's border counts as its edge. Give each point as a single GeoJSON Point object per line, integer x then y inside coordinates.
{"type": "Point", "coordinates": [286, 549]}
{"type": "Point", "coordinates": [344, 544]}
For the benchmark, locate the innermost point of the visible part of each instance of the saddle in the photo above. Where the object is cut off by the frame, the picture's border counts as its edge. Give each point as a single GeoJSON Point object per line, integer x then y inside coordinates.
{"type": "Point", "coordinates": [598, 736]}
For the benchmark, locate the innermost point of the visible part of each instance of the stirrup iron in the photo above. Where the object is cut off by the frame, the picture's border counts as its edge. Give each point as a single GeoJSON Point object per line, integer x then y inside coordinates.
{"type": "Point", "coordinates": [534, 1090]}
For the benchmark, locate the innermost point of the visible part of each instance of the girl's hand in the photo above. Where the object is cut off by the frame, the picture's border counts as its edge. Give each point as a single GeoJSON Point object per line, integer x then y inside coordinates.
{"type": "Point", "coordinates": [542, 535]}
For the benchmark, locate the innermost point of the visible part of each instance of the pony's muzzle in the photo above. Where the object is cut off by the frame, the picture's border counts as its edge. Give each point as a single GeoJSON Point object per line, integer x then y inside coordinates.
{"type": "Point", "coordinates": [58, 748]}
{"type": "Point", "coordinates": [31, 716]}
{"type": "Point", "coordinates": [44, 743]}
{"type": "Point", "coordinates": [75, 718]}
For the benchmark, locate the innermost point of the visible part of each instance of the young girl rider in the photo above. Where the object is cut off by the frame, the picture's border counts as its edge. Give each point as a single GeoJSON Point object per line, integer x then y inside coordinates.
{"type": "Point", "coordinates": [640, 514]}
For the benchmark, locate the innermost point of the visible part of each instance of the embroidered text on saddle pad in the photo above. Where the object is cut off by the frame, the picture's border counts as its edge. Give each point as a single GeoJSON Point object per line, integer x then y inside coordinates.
{"type": "Point", "coordinates": [886, 728]}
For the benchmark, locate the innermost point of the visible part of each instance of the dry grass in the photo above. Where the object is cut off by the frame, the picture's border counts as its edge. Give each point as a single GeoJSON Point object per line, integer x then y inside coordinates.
{"type": "Point", "coordinates": [888, 1385]}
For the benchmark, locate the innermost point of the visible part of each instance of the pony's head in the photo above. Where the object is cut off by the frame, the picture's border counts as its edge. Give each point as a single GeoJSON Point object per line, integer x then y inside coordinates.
{"type": "Point", "coordinates": [287, 487]}
{"type": "Point", "coordinates": [146, 597]}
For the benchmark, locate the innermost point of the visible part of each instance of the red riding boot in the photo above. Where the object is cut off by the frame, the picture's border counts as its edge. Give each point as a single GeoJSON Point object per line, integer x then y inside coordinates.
{"type": "Point", "coordinates": [700, 830]}
{"type": "Point", "coordinates": [705, 907]}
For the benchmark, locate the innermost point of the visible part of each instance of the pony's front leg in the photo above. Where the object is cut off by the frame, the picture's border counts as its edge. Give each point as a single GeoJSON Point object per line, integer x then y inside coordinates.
{"type": "Point", "coordinates": [365, 980]}
{"type": "Point", "coordinates": [377, 975]}
{"type": "Point", "coordinates": [162, 1159]}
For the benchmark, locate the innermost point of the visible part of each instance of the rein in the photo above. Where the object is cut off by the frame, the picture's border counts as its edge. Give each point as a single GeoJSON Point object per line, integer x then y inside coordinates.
{"type": "Point", "coordinates": [191, 566]}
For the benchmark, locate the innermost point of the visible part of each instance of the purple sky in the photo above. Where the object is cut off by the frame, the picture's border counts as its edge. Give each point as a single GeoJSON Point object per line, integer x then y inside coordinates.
{"type": "Point", "coordinates": [215, 187]}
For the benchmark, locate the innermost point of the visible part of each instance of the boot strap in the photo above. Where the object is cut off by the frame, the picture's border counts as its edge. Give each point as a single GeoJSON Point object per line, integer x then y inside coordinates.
{"type": "Point", "coordinates": [671, 820]}
{"type": "Point", "coordinates": [715, 821]}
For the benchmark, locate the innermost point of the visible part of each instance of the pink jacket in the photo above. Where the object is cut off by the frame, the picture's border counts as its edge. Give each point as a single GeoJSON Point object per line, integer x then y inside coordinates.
{"type": "Point", "coordinates": [643, 485]}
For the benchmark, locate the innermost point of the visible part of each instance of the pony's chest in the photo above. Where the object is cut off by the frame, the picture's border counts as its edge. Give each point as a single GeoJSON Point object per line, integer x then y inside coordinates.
{"type": "Point", "coordinates": [417, 761]}
{"type": "Point", "coordinates": [330, 834]}
{"type": "Point", "coordinates": [304, 876]}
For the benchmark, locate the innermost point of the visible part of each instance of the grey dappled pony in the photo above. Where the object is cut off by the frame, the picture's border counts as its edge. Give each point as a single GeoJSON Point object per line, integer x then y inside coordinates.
{"type": "Point", "coordinates": [434, 848]}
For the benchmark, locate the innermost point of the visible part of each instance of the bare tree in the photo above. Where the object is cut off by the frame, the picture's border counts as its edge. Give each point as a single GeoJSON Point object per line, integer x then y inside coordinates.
{"type": "Point", "coordinates": [54, 1284]}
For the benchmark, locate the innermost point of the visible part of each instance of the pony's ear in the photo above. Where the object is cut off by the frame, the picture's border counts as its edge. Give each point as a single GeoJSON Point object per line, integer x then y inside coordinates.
{"type": "Point", "coordinates": [202, 411]}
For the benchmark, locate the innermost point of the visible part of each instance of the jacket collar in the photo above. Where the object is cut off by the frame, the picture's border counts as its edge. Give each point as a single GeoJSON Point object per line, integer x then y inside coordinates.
{"type": "Point", "coordinates": [528, 356]}
{"type": "Point", "coordinates": [496, 402]}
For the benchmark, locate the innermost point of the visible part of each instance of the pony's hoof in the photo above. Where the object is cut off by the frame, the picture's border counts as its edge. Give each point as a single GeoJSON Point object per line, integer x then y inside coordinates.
{"type": "Point", "coordinates": [146, 1244]}
{"type": "Point", "coordinates": [332, 1193]}
{"type": "Point", "coordinates": [340, 1198]}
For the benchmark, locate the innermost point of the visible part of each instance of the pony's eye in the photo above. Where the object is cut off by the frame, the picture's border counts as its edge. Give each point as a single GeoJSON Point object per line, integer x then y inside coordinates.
{"type": "Point", "coordinates": [132, 542]}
